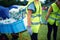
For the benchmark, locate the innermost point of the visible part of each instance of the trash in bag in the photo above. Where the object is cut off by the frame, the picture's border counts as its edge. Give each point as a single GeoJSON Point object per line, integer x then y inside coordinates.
{"type": "Point", "coordinates": [17, 12]}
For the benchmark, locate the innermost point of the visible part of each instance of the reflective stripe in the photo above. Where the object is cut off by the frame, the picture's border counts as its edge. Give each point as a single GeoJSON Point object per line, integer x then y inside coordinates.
{"type": "Point", "coordinates": [58, 19]}
{"type": "Point", "coordinates": [54, 18]}
{"type": "Point", "coordinates": [57, 14]}
{"type": "Point", "coordinates": [35, 23]}
{"type": "Point", "coordinates": [36, 16]}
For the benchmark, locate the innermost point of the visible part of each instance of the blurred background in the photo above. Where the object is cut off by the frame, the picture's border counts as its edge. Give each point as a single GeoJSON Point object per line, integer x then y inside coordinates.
{"type": "Point", "coordinates": [42, 35]}
{"type": "Point", "coordinates": [22, 2]}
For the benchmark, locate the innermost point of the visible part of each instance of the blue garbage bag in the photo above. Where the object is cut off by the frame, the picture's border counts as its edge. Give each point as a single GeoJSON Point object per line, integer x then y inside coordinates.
{"type": "Point", "coordinates": [15, 27]}
{"type": "Point", "coordinates": [4, 12]}
{"type": "Point", "coordinates": [13, 6]}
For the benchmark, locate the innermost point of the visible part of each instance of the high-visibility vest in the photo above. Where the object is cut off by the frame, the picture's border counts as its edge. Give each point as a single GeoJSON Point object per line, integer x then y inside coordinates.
{"type": "Point", "coordinates": [35, 17]}
{"type": "Point", "coordinates": [55, 15]}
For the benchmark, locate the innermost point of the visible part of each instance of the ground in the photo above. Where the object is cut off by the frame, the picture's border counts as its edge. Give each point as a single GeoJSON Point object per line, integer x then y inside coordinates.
{"type": "Point", "coordinates": [42, 35]}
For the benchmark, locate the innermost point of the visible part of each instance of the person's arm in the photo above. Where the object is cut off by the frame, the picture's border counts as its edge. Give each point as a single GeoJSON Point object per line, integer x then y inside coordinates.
{"type": "Point", "coordinates": [29, 17]}
{"type": "Point", "coordinates": [29, 22]}
{"type": "Point", "coordinates": [30, 9]}
{"type": "Point", "coordinates": [49, 11]}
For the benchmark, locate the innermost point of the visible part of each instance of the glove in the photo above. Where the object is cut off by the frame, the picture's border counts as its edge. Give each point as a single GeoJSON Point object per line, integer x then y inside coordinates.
{"type": "Point", "coordinates": [43, 21]}
{"type": "Point", "coordinates": [29, 30]}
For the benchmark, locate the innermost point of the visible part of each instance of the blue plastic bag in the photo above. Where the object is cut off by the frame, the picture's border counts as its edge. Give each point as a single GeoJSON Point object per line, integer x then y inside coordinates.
{"type": "Point", "coordinates": [4, 12]}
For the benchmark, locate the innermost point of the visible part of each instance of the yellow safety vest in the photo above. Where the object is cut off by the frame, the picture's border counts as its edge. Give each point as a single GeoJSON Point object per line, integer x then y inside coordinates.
{"type": "Point", "coordinates": [55, 15]}
{"type": "Point", "coordinates": [35, 18]}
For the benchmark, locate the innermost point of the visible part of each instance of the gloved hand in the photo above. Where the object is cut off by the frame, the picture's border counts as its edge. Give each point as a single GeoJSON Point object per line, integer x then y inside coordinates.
{"type": "Point", "coordinates": [29, 30]}
{"type": "Point", "coordinates": [43, 21]}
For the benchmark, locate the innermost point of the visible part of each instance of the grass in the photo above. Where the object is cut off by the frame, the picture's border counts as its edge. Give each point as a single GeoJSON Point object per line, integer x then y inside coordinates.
{"type": "Point", "coordinates": [42, 35]}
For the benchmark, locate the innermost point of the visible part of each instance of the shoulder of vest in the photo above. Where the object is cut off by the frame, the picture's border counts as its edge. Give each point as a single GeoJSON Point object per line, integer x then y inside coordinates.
{"type": "Point", "coordinates": [31, 3]}
{"type": "Point", "coordinates": [53, 4]}
{"type": "Point", "coordinates": [55, 7]}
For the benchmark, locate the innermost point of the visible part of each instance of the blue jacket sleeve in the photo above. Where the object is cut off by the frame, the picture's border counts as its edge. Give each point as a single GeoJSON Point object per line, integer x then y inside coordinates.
{"type": "Point", "coordinates": [31, 7]}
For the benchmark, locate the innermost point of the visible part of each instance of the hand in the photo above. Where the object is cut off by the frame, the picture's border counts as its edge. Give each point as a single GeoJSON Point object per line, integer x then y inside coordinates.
{"type": "Point", "coordinates": [45, 22]}
{"type": "Point", "coordinates": [29, 30]}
